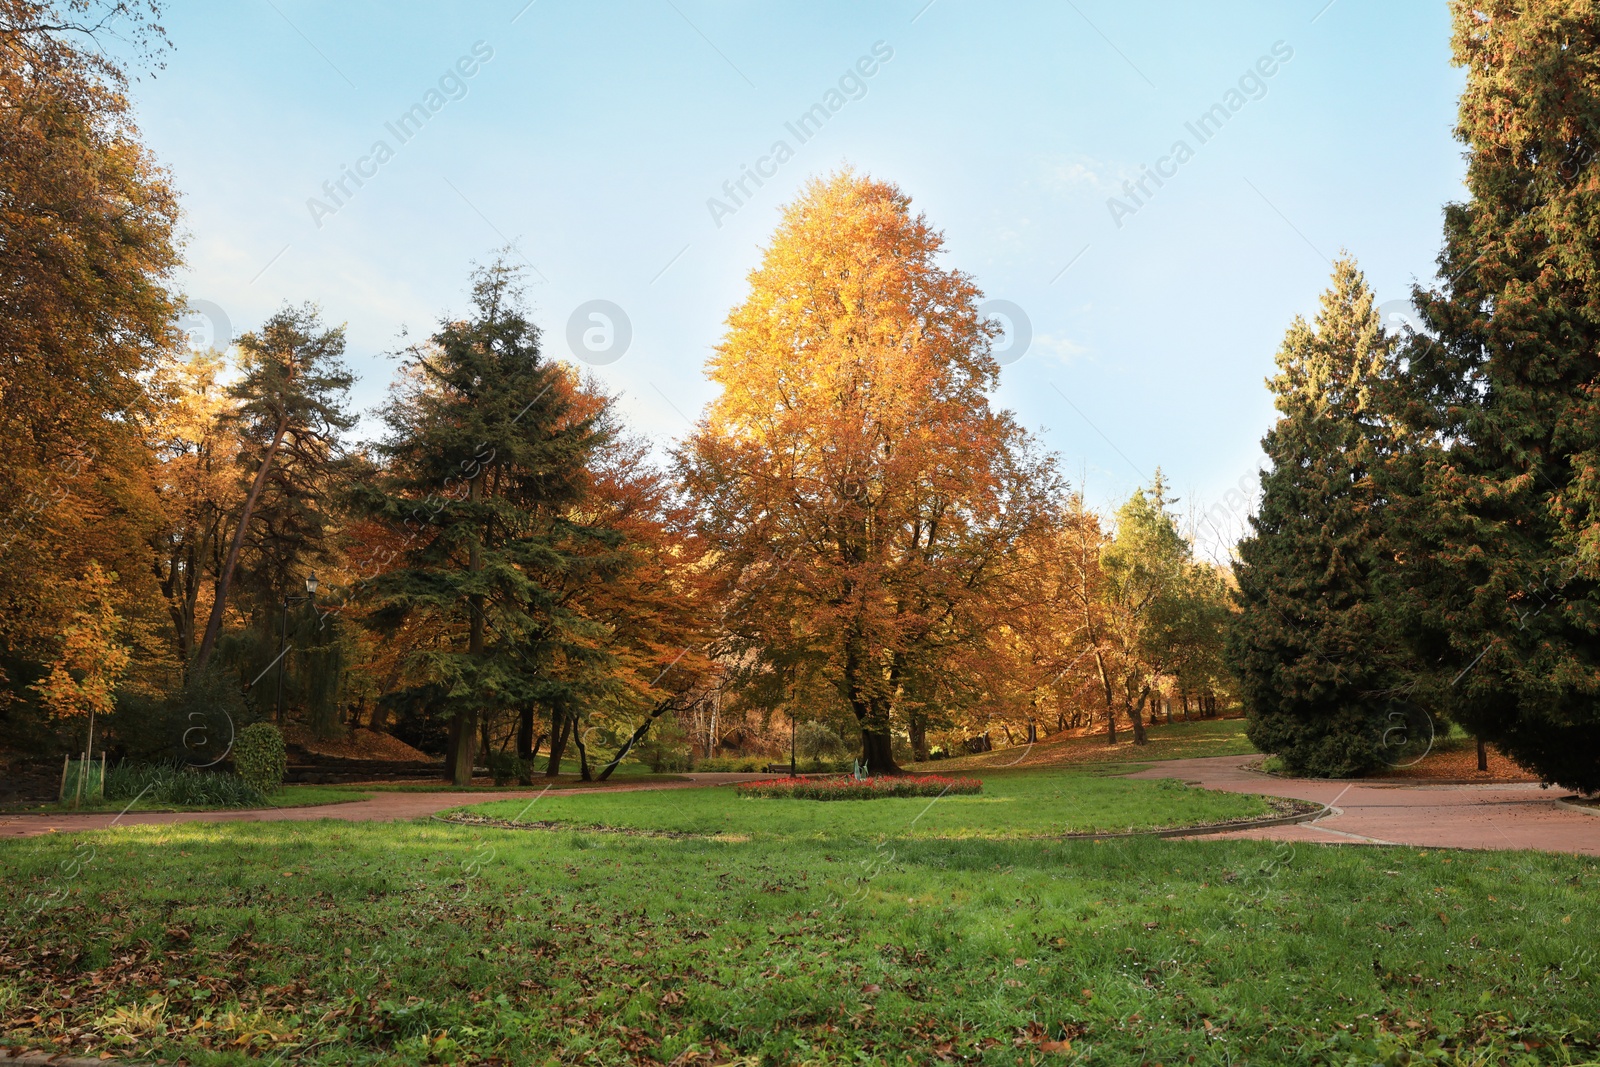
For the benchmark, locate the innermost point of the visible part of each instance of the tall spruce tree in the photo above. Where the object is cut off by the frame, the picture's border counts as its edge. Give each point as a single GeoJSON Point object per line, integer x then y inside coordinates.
{"type": "Point", "coordinates": [1498, 569]}
{"type": "Point", "coordinates": [483, 460]}
{"type": "Point", "coordinates": [1317, 677]}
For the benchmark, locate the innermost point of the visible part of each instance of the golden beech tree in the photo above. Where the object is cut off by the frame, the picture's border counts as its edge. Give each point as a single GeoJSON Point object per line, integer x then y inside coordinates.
{"type": "Point", "coordinates": [87, 255]}
{"type": "Point", "coordinates": [857, 490]}
{"type": "Point", "coordinates": [1048, 650]}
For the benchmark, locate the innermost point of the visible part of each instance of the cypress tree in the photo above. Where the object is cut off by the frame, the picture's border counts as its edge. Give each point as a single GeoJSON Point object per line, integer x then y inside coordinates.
{"type": "Point", "coordinates": [1498, 566]}
{"type": "Point", "coordinates": [1317, 679]}
{"type": "Point", "coordinates": [483, 460]}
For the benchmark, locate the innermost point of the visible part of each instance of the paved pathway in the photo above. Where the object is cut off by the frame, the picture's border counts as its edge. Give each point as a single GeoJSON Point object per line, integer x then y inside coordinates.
{"type": "Point", "coordinates": [383, 807]}
{"type": "Point", "coordinates": [1372, 812]}
{"type": "Point", "coordinates": [1433, 816]}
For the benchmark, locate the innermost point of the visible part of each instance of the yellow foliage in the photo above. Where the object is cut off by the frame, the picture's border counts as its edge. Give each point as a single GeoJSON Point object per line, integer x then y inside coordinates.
{"type": "Point", "coordinates": [84, 675]}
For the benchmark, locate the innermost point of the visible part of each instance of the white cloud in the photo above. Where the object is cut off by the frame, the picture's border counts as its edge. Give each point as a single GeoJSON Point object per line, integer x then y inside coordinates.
{"type": "Point", "coordinates": [1077, 174]}
{"type": "Point", "coordinates": [1063, 350]}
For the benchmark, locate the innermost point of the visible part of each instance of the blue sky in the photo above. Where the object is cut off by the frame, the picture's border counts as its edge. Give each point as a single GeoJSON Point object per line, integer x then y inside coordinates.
{"type": "Point", "coordinates": [594, 134]}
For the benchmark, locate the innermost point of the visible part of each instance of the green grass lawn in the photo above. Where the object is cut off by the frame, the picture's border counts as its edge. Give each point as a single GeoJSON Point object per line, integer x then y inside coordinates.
{"type": "Point", "coordinates": [1013, 804]}
{"type": "Point", "coordinates": [337, 943]}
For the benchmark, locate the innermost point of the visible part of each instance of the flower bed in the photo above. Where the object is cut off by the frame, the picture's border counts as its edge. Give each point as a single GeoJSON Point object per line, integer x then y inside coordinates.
{"type": "Point", "coordinates": [847, 788]}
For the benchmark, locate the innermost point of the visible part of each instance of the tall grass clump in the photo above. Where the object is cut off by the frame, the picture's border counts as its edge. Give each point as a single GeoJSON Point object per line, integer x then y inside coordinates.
{"type": "Point", "coordinates": [180, 785]}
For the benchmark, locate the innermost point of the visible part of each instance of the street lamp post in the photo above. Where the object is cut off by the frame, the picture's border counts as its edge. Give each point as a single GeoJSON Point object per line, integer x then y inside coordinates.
{"type": "Point", "coordinates": [283, 636]}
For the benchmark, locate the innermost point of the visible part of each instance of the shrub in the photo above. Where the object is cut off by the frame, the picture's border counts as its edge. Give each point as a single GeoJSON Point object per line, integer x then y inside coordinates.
{"type": "Point", "coordinates": [666, 749]}
{"type": "Point", "coordinates": [504, 766]}
{"type": "Point", "coordinates": [669, 761]}
{"type": "Point", "coordinates": [182, 785]}
{"type": "Point", "coordinates": [259, 757]}
{"type": "Point", "coordinates": [736, 764]}
{"type": "Point", "coordinates": [825, 766]}
{"type": "Point", "coordinates": [814, 740]}
{"type": "Point", "coordinates": [191, 726]}
{"type": "Point", "coordinates": [662, 757]}
{"type": "Point", "coordinates": [846, 788]}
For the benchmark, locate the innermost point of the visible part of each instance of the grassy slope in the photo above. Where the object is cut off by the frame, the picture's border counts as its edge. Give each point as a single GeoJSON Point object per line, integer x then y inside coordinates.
{"type": "Point", "coordinates": [1013, 804]}
{"type": "Point", "coordinates": [369, 943]}
{"type": "Point", "coordinates": [1181, 740]}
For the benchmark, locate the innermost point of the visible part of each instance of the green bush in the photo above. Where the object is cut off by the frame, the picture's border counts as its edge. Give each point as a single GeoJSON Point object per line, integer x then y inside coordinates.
{"type": "Point", "coordinates": [736, 764]}
{"type": "Point", "coordinates": [825, 766]}
{"type": "Point", "coordinates": [662, 757]}
{"type": "Point", "coordinates": [191, 726]}
{"type": "Point", "coordinates": [181, 785]}
{"type": "Point", "coordinates": [815, 741]}
{"type": "Point", "coordinates": [259, 757]}
{"type": "Point", "coordinates": [504, 766]}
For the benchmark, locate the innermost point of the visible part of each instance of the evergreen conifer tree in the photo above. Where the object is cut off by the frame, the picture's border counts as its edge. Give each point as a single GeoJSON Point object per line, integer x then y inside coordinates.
{"type": "Point", "coordinates": [1498, 565]}
{"type": "Point", "coordinates": [483, 461]}
{"type": "Point", "coordinates": [1317, 675]}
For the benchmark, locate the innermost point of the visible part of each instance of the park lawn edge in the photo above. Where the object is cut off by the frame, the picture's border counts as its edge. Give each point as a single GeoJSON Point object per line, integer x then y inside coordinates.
{"type": "Point", "coordinates": [1289, 811]}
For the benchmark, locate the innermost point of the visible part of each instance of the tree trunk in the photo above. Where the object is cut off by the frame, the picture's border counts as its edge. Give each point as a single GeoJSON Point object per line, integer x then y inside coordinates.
{"type": "Point", "coordinates": [1483, 756]}
{"type": "Point", "coordinates": [560, 727]}
{"type": "Point", "coordinates": [466, 718]}
{"type": "Point", "coordinates": [919, 737]}
{"type": "Point", "coordinates": [1168, 705]}
{"type": "Point", "coordinates": [1136, 716]}
{"type": "Point", "coordinates": [485, 742]}
{"type": "Point", "coordinates": [525, 746]}
{"type": "Point", "coordinates": [583, 755]}
{"type": "Point", "coordinates": [219, 602]}
{"type": "Point", "coordinates": [871, 715]}
{"type": "Point", "coordinates": [458, 767]}
{"type": "Point", "coordinates": [638, 735]}
{"type": "Point", "coordinates": [877, 752]}
{"type": "Point", "coordinates": [1111, 708]}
